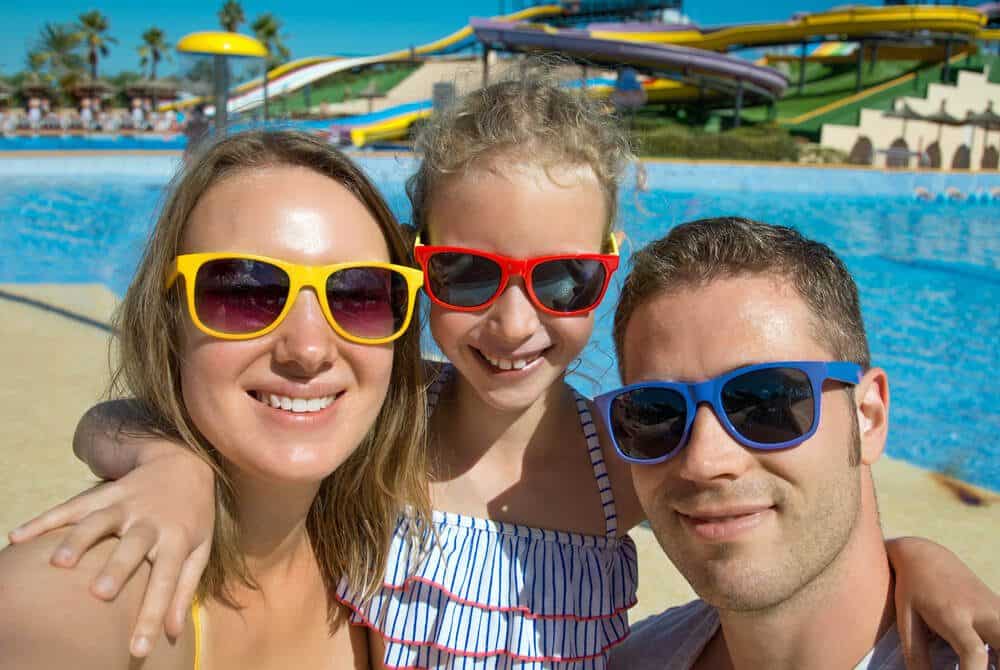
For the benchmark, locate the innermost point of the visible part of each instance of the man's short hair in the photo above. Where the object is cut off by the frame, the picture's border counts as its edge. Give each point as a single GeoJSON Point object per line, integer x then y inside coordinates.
{"type": "Point", "coordinates": [697, 253]}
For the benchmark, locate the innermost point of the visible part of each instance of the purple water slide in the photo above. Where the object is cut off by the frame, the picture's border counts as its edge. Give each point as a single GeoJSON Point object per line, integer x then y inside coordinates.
{"type": "Point", "coordinates": [642, 27]}
{"type": "Point", "coordinates": [657, 58]}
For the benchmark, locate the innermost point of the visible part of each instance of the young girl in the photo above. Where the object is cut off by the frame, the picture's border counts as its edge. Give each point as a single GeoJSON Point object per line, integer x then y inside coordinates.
{"type": "Point", "coordinates": [287, 370]}
{"type": "Point", "coordinates": [514, 204]}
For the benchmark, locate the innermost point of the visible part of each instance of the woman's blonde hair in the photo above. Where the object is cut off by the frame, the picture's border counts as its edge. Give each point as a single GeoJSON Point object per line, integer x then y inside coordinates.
{"type": "Point", "coordinates": [531, 119]}
{"type": "Point", "coordinates": [354, 515]}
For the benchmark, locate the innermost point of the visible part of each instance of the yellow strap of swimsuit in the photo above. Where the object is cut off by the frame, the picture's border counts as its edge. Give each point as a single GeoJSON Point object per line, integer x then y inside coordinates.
{"type": "Point", "coordinates": [196, 620]}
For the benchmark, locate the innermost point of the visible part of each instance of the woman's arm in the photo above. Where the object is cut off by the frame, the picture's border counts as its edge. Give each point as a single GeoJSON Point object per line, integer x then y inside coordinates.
{"type": "Point", "coordinates": [936, 591]}
{"type": "Point", "coordinates": [162, 508]}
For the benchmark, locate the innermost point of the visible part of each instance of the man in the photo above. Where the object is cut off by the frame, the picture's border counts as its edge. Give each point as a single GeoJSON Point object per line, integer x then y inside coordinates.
{"type": "Point", "coordinates": [757, 484]}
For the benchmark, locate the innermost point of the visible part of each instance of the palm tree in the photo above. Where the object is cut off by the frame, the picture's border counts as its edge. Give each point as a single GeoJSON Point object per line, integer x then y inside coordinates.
{"type": "Point", "coordinates": [56, 50]}
{"type": "Point", "coordinates": [36, 62]}
{"type": "Point", "coordinates": [93, 28]}
{"type": "Point", "coordinates": [153, 49]}
{"type": "Point", "coordinates": [267, 29]}
{"type": "Point", "coordinates": [231, 16]}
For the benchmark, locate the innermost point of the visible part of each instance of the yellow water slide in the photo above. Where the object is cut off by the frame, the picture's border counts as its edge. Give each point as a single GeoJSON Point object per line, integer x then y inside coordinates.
{"type": "Point", "coordinates": [850, 23]}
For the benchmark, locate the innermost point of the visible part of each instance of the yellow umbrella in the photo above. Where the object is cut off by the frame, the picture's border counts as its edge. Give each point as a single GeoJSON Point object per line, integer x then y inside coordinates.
{"type": "Point", "coordinates": [221, 45]}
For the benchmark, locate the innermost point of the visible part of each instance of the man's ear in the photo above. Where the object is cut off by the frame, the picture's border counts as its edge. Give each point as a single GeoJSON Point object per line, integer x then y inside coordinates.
{"type": "Point", "coordinates": [871, 398]}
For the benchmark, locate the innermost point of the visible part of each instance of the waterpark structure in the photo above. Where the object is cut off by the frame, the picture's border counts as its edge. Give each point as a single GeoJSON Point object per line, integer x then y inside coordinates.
{"type": "Point", "coordinates": [675, 62]}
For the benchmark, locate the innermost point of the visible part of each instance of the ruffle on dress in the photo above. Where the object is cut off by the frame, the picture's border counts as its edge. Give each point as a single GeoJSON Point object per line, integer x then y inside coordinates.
{"type": "Point", "coordinates": [498, 595]}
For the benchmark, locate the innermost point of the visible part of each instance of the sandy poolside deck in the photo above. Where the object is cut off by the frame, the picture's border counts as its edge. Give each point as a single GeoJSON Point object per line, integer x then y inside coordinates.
{"type": "Point", "coordinates": [55, 364]}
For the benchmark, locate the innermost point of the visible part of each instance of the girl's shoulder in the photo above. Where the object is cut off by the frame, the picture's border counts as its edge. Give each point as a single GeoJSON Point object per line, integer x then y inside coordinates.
{"type": "Point", "coordinates": [50, 618]}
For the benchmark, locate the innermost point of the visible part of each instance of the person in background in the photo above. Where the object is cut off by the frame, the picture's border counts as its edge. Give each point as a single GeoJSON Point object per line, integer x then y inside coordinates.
{"type": "Point", "coordinates": [196, 130]}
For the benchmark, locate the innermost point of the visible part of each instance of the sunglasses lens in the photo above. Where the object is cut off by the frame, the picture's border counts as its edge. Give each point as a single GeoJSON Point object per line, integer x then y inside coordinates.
{"type": "Point", "coordinates": [462, 280]}
{"type": "Point", "coordinates": [770, 406]}
{"type": "Point", "coordinates": [239, 296]}
{"type": "Point", "coordinates": [569, 284]}
{"type": "Point", "coordinates": [370, 303]}
{"type": "Point", "coordinates": [648, 423]}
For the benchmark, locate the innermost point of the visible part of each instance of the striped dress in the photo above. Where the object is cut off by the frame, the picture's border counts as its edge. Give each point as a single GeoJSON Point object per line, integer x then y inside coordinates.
{"type": "Point", "coordinates": [502, 596]}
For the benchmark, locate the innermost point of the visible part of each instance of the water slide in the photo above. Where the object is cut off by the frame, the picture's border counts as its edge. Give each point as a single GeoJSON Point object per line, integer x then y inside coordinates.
{"type": "Point", "coordinates": [297, 74]}
{"type": "Point", "coordinates": [392, 123]}
{"type": "Point", "coordinates": [693, 69]}
{"type": "Point", "coordinates": [851, 23]}
{"type": "Point", "coordinates": [678, 51]}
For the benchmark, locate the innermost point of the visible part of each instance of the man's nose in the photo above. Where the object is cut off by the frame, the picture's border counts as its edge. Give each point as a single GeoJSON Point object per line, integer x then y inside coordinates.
{"type": "Point", "coordinates": [711, 453]}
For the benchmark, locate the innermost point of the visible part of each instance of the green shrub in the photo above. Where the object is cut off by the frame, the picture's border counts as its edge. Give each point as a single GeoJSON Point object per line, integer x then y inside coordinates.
{"type": "Point", "coordinates": [757, 143]}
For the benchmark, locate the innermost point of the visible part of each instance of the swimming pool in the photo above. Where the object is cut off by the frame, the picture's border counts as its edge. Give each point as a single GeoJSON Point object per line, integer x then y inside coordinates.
{"type": "Point", "coordinates": [929, 272]}
{"type": "Point", "coordinates": [94, 142]}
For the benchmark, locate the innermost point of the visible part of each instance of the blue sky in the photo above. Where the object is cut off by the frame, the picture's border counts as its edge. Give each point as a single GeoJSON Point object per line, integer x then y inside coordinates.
{"type": "Point", "coordinates": [313, 27]}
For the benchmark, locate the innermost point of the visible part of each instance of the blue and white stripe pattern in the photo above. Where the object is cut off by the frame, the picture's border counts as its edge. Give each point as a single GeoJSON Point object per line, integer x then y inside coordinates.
{"type": "Point", "coordinates": [501, 596]}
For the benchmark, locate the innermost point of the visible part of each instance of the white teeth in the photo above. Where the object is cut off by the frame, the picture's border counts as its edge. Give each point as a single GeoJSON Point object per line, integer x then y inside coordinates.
{"type": "Point", "coordinates": [297, 405]}
{"type": "Point", "coordinates": [508, 363]}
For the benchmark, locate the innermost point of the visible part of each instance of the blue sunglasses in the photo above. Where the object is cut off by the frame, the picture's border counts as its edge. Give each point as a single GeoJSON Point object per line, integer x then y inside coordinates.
{"type": "Point", "coordinates": [768, 406]}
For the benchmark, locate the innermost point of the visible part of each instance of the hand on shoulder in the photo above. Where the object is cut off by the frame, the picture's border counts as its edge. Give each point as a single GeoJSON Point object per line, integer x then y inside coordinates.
{"type": "Point", "coordinates": [51, 619]}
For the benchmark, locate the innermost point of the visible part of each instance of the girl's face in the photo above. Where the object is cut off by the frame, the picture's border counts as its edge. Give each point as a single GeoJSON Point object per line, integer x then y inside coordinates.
{"type": "Point", "coordinates": [296, 215]}
{"type": "Point", "coordinates": [511, 353]}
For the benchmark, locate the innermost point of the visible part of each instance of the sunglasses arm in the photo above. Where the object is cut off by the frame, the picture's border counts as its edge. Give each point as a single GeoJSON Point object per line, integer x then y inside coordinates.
{"type": "Point", "coordinates": [848, 373]}
{"type": "Point", "coordinates": [172, 274]}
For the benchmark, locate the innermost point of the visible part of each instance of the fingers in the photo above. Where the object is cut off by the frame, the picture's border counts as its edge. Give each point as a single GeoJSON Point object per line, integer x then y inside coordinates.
{"type": "Point", "coordinates": [989, 629]}
{"type": "Point", "coordinates": [972, 654]}
{"type": "Point", "coordinates": [127, 556]}
{"type": "Point", "coordinates": [915, 641]}
{"type": "Point", "coordinates": [85, 534]}
{"type": "Point", "coordinates": [63, 514]}
{"type": "Point", "coordinates": [159, 593]}
{"type": "Point", "coordinates": [187, 588]}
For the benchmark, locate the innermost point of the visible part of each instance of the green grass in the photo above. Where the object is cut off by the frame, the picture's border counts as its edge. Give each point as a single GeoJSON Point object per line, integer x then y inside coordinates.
{"type": "Point", "coordinates": [826, 84]}
{"type": "Point", "coordinates": [343, 86]}
{"type": "Point", "coordinates": [850, 114]}
{"type": "Point", "coordinates": [688, 131]}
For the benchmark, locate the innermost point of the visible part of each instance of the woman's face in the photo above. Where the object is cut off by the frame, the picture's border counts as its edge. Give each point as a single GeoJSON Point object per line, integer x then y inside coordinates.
{"type": "Point", "coordinates": [511, 353]}
{"type": "Point", "coordinates": [297, 215]}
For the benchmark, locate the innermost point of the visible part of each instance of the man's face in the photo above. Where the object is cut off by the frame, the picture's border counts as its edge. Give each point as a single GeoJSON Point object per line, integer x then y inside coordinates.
{"type": "Point", "coordinates": [748, 529]}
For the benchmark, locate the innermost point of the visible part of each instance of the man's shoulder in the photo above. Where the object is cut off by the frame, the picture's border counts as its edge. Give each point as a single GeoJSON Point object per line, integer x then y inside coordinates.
{"type": "Point", "coordinates": [49, 615]}
{"type": "Point", "coordinates": [888, 654]}
{"type": "Point", "coordinates": [672, 639]}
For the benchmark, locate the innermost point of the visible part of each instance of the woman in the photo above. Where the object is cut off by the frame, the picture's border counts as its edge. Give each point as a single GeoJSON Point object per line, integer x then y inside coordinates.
{"type": "Point", "coordinates": [266, 328]}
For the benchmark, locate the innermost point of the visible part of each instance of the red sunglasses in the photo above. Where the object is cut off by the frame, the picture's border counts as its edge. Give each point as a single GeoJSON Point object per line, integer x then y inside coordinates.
{"type": "Point", "coordinates": [469, 280]}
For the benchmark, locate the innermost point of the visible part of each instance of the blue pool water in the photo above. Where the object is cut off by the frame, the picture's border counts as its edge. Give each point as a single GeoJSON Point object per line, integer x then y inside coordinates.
{"type": "Point", "coordinates": [929, 273]}
{"type": "Point", "coordinates": [94, 142]}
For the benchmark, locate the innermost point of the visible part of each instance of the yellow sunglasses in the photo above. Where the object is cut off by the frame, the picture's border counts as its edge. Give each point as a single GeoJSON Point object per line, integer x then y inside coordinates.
{"type": "Point", "coordinates": [242, 296]}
